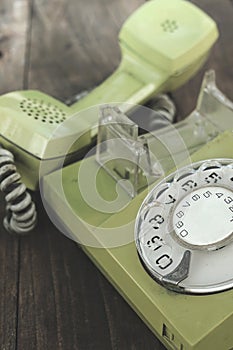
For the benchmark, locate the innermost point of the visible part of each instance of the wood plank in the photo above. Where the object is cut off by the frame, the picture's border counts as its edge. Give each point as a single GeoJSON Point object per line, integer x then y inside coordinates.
{"type": "Point", "coordinates": [74, 44]}
{"type": "Point", "coordinates": [9, 258]}
{"type": "Point", "coordinates": [219, 60]}
{"type": "Point", "coordinates": [13, 38]}
{"type": "Point", "coordinates": [13, 43]}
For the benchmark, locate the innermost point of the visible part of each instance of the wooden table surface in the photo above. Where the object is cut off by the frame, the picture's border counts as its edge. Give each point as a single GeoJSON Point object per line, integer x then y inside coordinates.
{"type": "Point", "coordinates": [51, 296]}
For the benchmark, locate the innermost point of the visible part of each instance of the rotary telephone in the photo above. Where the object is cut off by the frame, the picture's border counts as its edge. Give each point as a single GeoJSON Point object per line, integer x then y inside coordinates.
{"type": "Point", "coordinates": [138, 206]}
{"type": "Point", "coordinates": [154, 212]}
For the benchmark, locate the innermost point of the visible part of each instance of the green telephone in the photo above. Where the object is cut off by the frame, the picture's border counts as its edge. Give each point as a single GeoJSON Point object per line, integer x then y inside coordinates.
{"type": "Point", "coordinates": [163, 44]}
{"type": "Point", "coordinates": [168, 248]}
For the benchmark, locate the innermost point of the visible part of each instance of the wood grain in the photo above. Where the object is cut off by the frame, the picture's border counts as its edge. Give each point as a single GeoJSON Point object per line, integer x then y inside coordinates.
{"type": "Point", "coordinates": [14, 16]}
{"type": "Point", "coordinates": [9, 267]}
{"type": "Point", "coordinates": [219, 60]}
{"type": "Point", "coordinates": [52, 296]}
{"type": "Point", "coordinates": [70, 39]}
{"type": "Point", "coordinates": [13, 44]}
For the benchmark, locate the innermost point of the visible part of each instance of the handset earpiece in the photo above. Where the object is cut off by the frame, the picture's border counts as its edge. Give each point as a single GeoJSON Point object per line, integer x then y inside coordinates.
{"type": "Point", "coordinates": [163, 44]}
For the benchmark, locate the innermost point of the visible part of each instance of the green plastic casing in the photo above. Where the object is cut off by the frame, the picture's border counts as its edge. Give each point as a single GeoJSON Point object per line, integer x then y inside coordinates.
{"type": "Point", "coordinates": [163, 44]}
{"type": "Point", "coordinates": [181, 322]}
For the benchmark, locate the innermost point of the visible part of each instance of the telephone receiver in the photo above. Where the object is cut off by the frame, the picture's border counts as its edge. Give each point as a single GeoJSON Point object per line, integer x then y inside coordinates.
{"type": "Point", "coordinates": [154, 213]}
{"type": "Point", "coordinates": [163, 43]}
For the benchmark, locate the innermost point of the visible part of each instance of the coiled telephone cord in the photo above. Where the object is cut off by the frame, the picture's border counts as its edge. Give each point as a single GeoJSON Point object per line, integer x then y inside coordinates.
{"type": "Point", "coordinates": [21, 213]}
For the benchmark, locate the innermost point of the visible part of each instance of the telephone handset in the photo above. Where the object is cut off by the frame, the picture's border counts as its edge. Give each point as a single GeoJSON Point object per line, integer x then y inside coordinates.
{"type": "Point", "coordinates": [168, 248]}
{"type": "Point", "coordinates": [163, 44]}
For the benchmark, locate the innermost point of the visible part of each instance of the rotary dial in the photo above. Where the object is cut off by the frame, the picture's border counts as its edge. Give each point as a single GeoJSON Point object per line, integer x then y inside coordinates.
{"type": "Point", "coordinates": [184, 229]}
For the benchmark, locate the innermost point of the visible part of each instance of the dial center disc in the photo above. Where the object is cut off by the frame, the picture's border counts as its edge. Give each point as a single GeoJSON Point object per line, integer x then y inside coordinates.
{"type": "Point", "coordinates": [203, 218]}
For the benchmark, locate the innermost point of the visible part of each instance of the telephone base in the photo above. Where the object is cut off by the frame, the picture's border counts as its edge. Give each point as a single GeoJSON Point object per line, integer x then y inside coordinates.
{"type": "Point", "coordinates": [183, 322]}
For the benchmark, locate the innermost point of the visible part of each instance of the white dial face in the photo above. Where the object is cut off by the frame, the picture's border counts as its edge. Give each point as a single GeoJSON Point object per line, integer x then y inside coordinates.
{"type": "Point", "coordinates": [202, 219]}
{"type": "Point", "coordinates": [184, 229]}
